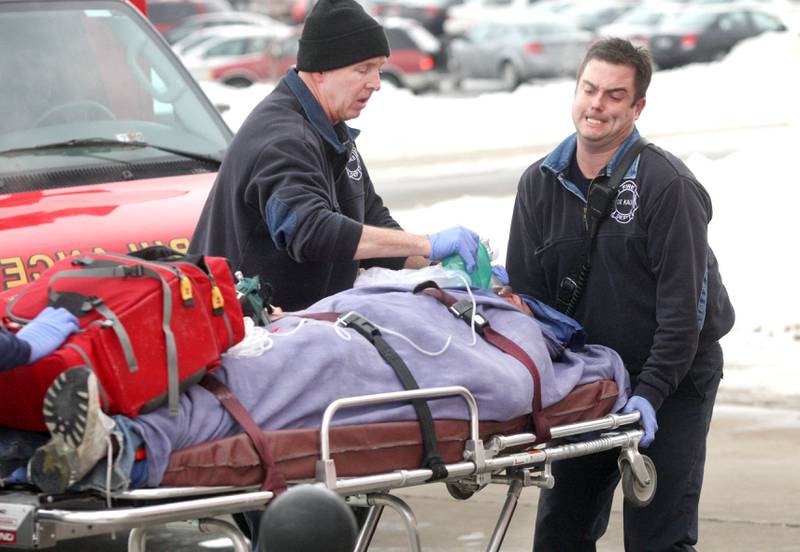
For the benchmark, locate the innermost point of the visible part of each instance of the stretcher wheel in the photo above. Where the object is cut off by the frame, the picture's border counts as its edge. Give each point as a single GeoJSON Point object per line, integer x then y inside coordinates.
{"type": "Point", "coordinates": [307, 518]}
{"type": "Point", "coordinates": [638, 494]}
{"type": "Point", "coordinates": [458, 491]}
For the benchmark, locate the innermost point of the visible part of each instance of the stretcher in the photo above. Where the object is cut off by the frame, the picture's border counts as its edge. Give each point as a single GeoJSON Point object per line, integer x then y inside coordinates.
{"type": "Point", "coordinates": [361, 463]}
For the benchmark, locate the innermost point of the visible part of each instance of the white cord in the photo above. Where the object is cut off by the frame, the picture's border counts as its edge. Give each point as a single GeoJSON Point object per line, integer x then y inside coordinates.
{"type": "Point", "coordinates": [258, 340]}
{"type": "Point", "coordinates": [310, 321]}
{"type": "Point", "coordinates": [339, 328]}
{"type": "Point", "coordinates": [340, 323]}
{"type": "Point", "coordinates": [474, 307]}
{"type": "Point", "coordinates": [109, 468]}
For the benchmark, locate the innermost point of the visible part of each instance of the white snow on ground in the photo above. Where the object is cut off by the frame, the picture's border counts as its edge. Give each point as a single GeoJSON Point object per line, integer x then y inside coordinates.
{"type": "Point", "coordinates": [750, 97]}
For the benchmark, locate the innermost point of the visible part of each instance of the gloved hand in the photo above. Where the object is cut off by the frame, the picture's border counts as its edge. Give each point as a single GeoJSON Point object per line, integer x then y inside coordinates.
{"type": "Point", "coordinates": [455, 240]}
{"type": "Point", "coordinates": [647, 418]}
{"type": "Point", "coordinates": [47, 331]}
{"type": "Point", "coordinates": [499, 272]}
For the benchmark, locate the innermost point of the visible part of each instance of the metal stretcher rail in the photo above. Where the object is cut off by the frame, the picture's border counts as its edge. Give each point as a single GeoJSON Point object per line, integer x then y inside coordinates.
{"type": "Point", "coordinates": [42, 527]}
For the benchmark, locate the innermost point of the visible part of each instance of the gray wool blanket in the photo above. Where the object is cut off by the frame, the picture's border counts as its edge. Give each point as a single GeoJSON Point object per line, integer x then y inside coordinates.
{"type": "Point", "coordinates": [306, 364]}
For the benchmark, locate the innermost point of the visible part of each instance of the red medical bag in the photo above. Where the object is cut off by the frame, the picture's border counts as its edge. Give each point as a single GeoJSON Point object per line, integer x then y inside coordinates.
{"type": "Point", "coordinates": [148, 329]}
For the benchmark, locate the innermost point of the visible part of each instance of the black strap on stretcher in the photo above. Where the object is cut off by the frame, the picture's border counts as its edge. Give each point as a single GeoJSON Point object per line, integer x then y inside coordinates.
{"type": "Point", "coordinates": [273, 479]}
{"type": "Point", "coordinates": [463, 309]}
{"type": "Point", "coordinates": [371, 333]}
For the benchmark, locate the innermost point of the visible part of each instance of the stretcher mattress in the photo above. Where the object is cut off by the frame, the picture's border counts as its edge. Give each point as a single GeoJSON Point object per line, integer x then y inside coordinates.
{"type": "Point", "coordinates": [365, 449]}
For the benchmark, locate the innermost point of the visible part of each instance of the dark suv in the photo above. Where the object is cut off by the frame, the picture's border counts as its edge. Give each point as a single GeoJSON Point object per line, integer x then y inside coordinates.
{"type": "Point", "coordinates": [708, 33]}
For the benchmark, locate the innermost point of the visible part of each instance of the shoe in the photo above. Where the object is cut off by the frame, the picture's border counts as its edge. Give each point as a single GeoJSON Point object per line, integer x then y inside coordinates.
{"type": "Point", "coordinates": [80, 432]}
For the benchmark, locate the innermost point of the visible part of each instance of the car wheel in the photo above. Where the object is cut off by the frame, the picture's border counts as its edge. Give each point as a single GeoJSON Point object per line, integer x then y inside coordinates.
{"type": "Point", "coordinates": [719, 56]}
{"type": "Point", "coordinates": [455, 77]}
{"type": "Point", "coordinates": [509, 76]}
{"type": "Point", "coordinates": [238, 82]}
{"type": "Point", "coordinates": [455, 82]}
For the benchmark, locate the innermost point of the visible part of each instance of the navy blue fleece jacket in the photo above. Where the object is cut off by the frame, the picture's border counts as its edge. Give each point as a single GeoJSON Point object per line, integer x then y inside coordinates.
{"type": "Point", "coordinates": [13, 351]}
{"type": "Point", "coordinates": [654, 293]}
{"type": "Point", "coordinates": [290, 200]}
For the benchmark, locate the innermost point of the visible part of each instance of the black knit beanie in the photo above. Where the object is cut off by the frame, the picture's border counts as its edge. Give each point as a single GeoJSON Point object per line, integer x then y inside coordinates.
{"type": "Point", "coordinates": [338, 33]}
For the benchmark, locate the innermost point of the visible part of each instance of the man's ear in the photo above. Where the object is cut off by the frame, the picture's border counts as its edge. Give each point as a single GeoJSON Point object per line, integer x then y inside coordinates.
{"type": "Point", "coordinates": [318, 77]}
{"type": "Point", "coordinates": [639, 107]}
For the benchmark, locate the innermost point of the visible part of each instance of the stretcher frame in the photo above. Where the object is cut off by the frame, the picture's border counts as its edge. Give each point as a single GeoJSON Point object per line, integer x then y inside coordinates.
{"type": "Point", "coordinates": [510, 460]}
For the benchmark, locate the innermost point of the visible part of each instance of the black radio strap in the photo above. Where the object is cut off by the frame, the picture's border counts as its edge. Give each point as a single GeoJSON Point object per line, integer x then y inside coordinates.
{"type": "Point", "coordinates": [598, 206]}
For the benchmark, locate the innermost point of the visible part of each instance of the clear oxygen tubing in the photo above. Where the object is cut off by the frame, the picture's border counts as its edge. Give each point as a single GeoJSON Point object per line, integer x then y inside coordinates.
{"type": "Point", "coordinates": [258, 340]}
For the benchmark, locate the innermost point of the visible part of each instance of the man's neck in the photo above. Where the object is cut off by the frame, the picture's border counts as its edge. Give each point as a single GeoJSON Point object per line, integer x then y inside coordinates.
{"type": "Point", "coordinates": [592, 160]}
{"type": "Point", "coordinates": [591, 163]}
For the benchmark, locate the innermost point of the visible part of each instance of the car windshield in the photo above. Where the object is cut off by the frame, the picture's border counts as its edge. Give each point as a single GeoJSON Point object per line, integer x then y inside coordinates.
{"type": "Point", "coordinates": [425, 40]}
{"type": "Point", "coordinates": [688, 21]}
{"type": "Point", "coordinates": [71, 73]}
{"type": "Point", "coordinates": [644, 15]}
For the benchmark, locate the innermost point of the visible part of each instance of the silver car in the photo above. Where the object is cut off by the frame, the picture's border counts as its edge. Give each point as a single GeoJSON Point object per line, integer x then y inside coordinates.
{"type": "Point", "coordinates": [515, 51]}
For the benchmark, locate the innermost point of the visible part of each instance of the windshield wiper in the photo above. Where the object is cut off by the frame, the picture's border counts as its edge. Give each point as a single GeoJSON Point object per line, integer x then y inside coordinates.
{"type": "Point", "coordinates": [107, 142]}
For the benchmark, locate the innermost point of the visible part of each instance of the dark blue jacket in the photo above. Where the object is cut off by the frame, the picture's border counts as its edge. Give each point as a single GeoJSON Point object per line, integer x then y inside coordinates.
{"type": "Point", "coordinates": [290, 200]}
{"type": "Point", "coordinates": [654, 293]}
{"type": "Point", "coordinates": [13, 351]}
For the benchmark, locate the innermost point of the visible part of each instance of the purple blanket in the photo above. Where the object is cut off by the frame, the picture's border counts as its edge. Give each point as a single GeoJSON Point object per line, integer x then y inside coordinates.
{"type": "Point", "coordinates": [311, 363]}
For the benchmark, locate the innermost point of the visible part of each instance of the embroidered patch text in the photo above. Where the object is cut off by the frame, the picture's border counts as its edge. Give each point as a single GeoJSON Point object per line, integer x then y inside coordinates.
{"type": "Point", "coordinates": [627, 202]}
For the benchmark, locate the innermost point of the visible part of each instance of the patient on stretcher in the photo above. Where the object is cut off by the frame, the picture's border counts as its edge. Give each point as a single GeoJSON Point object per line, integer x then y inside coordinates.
{"type": "Point", "coordinates": [287, 374]}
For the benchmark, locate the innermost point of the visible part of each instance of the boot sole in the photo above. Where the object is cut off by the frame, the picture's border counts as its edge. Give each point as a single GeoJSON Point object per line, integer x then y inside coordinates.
{"type": "Point", "coordinates": [68, 403]}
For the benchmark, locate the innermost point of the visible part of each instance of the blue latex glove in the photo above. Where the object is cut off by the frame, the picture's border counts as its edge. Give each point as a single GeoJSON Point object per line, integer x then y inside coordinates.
{"type": "Point", "coordinates": [647, 419]}
{"type": "Point", "coordinates": [455, 240]}
{"type": "Point", "coordinates": [499, 272]}
{"type": "Point", "coordinates": [47, 331]}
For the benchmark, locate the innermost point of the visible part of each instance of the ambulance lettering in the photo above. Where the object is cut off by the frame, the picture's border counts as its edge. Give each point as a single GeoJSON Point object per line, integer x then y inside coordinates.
{"type": "Point", "coordinates": [18, 271]}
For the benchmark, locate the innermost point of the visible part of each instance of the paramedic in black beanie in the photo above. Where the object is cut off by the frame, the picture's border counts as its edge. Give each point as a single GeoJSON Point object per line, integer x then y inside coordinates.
{"type": "Point", "coordinates": [293, 201]}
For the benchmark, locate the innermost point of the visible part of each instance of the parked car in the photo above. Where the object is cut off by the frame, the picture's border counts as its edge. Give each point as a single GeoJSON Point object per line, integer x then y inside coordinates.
{"type": "Point", "coordinates": [708, 33]}
{"type": "Point", "coordinates": [463, 17]}
{"type": "Point", "coordinates": [300, 8]}
{"type": "Point", "coordinates": [231, 54]}
{"type": "Point", "coordinates": [167, 14]}
{"type": "Point", "coordinates": [515, 51]}
{"type": "Point", "coordinates": [193, 24]}
{"type": "Point", "coordinates": [257, 67]}
{"type": "Point", "coordinates": [106, 142]}
{"type": "Point", "coordinates": [431, 14]}
{"type": "Point", "coordinates": [777, 7]}
{"type": "Point", "coordinates": [412, 64]}
{"type": "Point", "coordinates": [640, 23]}
{"type": "Point", "coordinates": [591, 15]}
{"type": "Point", "coordinates": [279, 57]}
{"type": "Point", "coordinates": [415, 54]}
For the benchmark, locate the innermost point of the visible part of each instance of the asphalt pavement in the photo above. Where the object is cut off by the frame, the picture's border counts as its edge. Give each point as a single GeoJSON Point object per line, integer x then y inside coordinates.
{"type": "Point", "coordinates": [750, 500]}
{"type": "Point", "coordinates": [426, 179]}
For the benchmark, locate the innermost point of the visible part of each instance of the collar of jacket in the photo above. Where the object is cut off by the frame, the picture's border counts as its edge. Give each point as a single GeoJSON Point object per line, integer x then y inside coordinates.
{"type": "Point", "coordinates": [316, 116]}
{"type": "Point", "coordinates": [557, 161]}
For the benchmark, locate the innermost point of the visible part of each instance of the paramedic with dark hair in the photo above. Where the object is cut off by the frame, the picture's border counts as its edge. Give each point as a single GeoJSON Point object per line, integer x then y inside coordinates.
{"type": "Point", "coordinates": [293, 201]}
{"type": "Point", "coordinates": [40, 337]}
{"type": "Point", "coordinates": [654, 294]}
